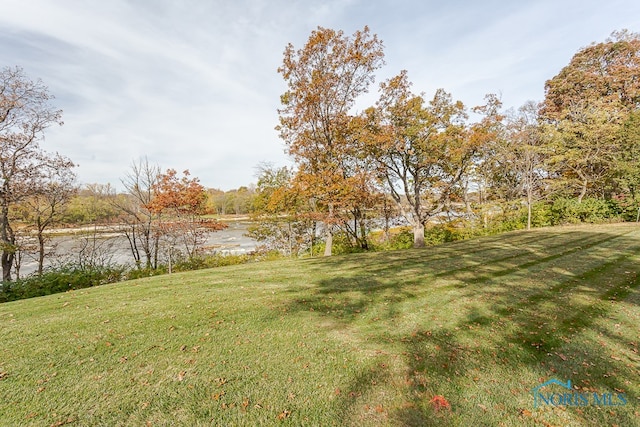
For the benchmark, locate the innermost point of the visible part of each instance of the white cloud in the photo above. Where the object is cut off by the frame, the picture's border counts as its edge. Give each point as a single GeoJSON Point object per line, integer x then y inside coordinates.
{"type": "Point", "coordinates": [193, 84]}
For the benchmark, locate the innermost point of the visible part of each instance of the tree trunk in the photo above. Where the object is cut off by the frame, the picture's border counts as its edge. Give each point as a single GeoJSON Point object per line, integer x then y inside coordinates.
{"type": "Point", "coordinates": [313, 236]}
{"type": "Point", "coordinates": [329, 232]}
{"type": "Point", "coordinates": [290, 245]}
{"type": "Point", "coordinates": [8, 244]}
{"type": "Point", "coordinates": [364, 243]}
{"type": "Point", "coordinates": [328, 246]}
{"type": "Point", "coordinates": [418, 235]}
{"type": "Point", "coordinates": [17, 263]}
{"type": "Point", "coordinates": [529, 203]}
{"type": "Point", "coordinates": [583, 191]}
{"type": "Point", "coordinates": [41, 242]}
{"type": "Point", "coordinates": [7, 263]}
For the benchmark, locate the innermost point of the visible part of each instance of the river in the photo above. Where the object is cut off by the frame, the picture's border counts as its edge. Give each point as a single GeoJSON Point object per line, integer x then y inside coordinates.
{"type": "Point", "coordinates": [114, 246]}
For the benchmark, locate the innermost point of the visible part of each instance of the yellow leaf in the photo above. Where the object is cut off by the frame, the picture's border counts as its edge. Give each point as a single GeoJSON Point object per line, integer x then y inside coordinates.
{"type": "Point", "coordinates": [284, 415]}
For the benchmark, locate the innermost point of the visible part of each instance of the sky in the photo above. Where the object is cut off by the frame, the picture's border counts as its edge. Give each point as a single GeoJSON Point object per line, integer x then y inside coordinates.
{"type": "Point", "coordinates": [193, 84]}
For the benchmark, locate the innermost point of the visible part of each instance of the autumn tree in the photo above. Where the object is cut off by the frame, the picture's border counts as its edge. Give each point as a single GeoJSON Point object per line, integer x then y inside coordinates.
{"type": "Point", "coordinates": [324, 79]}
{"type": "Point", "coordinates": [25, 113]}
{"type": "Point", "coordinates": [421, 150]}
{"type": "Point", "coordinates": [179, 202]}
{"type": "Point", "coordinates": [587, 102]}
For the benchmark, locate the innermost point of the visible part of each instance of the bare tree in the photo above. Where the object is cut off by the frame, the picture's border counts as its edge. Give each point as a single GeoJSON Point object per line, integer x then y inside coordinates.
{"type": "Point", "coordinates": [25, 113]}
{"type": "Point", "coordinates": [46, 204]}
{"type": "Point", "coordinates": [140, 183]}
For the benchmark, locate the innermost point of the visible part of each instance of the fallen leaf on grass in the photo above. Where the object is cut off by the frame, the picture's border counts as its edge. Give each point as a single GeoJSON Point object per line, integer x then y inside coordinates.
{"type": "Point", "coordinates": [616, 358]}
{"type": "Point", "coordinates": [217, 396]}
{"type": "Point", "coordinates": [181, 375]}
{"type": "Point", "coordinates": [481, 406]}
{"type": "Point", "coordinates": [440, 402]}
{"type": "Point", "coordinates": [284, 415]}
{"type": "Point", "coordinates": [525, 412]}
{"type": "Point", "coordinates": [3, 375]}
{"type": "Point", "coordinates": [562, 356]}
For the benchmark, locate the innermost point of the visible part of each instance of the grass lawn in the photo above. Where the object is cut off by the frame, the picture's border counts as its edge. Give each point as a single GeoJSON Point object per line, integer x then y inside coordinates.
{"type": "Point", "coordinates": [363, 340]}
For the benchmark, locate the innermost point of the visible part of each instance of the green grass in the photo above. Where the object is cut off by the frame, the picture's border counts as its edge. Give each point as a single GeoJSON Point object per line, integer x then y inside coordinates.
{"type": "Point", "coordinates": [366, 339]}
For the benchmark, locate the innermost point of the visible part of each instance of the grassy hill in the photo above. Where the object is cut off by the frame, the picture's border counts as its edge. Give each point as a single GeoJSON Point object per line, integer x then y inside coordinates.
{"type": "Point", "coordinates": [367, 339]}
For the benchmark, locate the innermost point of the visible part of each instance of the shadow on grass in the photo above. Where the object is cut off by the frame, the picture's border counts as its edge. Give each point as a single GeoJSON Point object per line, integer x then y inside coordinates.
{"type": "Point", "coordinates": [483, 321]}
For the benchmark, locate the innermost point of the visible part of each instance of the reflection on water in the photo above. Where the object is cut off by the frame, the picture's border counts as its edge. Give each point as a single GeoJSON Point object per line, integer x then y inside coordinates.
{"type": "Point", "coordinates": [231, 240]}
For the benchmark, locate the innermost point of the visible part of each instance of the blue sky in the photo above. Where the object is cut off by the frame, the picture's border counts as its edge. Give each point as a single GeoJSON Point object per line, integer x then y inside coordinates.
{"type": "Point", "coordinates": [192, 84]}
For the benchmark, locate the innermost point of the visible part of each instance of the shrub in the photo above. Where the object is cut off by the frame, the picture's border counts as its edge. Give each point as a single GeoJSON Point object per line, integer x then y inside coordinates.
{"type": "Point", "coordinates": [398, 238]}
{"type": "Point", "coordinates": [60, 279]}
{"type": "Point", "coordinates": [570, 211]}
{"type": "Point", "coordinates": [624, 207]}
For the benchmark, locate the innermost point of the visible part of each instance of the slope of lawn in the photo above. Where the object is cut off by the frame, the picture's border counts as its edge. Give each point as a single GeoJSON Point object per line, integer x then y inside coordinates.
{"type": "Point", "coordinates": [367, 339]}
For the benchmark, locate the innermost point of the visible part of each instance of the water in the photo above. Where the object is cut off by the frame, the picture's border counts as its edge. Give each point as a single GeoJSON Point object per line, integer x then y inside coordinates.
{"type": "Point", "coordinates": [114, 246]}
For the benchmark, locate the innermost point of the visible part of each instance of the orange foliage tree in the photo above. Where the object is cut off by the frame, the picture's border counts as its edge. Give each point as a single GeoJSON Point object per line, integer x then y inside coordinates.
{"type": "Point", "coordinates": [180, 203]}
{"type": "Point", "coordinates": [587, 104]}
{"type": "Point", "coordinates": [325, 78]}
